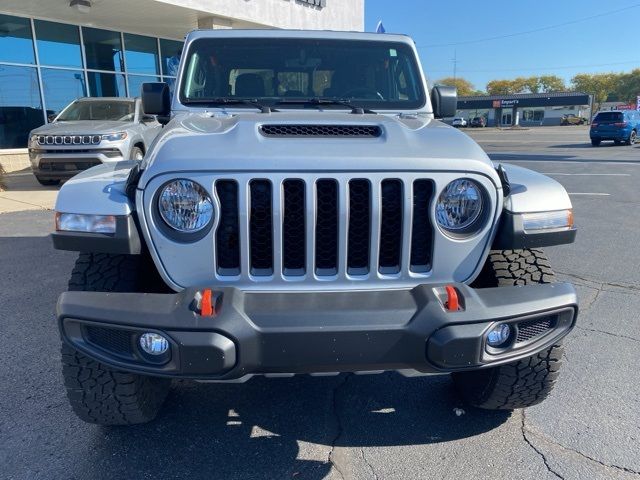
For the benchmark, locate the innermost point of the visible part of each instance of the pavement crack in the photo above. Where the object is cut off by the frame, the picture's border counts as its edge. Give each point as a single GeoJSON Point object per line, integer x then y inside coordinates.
{"type": "Point", "coordinates": [526, 430]}
{"type": "Point", "coordinates": [339, 428]}
{"type": "Point", "coordinates": [595, 330]}
{"type": "Point", "coordinates": [523, 430]}
{"type": "Point", "coordinates": [600, 285]}
{"type": "Point", "coordinates": [364, 458]}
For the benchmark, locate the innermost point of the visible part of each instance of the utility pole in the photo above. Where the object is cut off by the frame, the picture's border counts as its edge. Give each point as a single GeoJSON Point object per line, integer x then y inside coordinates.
{"type": "Point", "coordinates": [455, 63]}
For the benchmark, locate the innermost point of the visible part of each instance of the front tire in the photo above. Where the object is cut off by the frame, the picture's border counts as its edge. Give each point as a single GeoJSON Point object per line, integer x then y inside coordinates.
{"type": "Point", "coordinates": [97, 393]}
{"type": "Point", "coordinates": [526, 382]}
{"type": "Point", "coordinates": [595, 143]}
{"type": "Point", "coordinates": [632, 138]}
{"type": "Point", "coordinates": [136, 154]}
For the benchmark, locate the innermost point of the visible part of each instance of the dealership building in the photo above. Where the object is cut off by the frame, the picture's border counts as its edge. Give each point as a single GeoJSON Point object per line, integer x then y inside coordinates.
{"type": "Point", "coordinates": [526, 109]}
{"type": "Point", "coordinates": [53, 51]}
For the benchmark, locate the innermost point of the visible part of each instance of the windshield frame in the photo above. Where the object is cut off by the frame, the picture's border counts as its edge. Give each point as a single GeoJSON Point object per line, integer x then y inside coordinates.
{"type": "Point", "coordinates": [79, 101]}
{"type": "Point", "coordinates": [421, 104]}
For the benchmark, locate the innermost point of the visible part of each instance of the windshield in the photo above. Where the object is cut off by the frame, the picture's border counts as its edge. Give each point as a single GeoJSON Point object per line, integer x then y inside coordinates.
{"type": "Point", "coordinates": [608, 117]}
{"type": "Point", "coordinates": [370, 74]}
{"type": "Point", "coordinates": [98, 110]}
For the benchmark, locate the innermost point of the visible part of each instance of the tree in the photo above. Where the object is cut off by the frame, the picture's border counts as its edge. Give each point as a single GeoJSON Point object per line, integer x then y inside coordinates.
{"type": "Point", "coordinates": [628, 86]}
{"type": "Point", "coordinates": [551, 83]}
{"type": "Point", "coordinates": [600, 85]}
{"type": "Point", "coordinates": [500, 87]}
{"type": "Point", "coordinates": [532, 84]}
{"type": "Point", "coordinates": [465, 87]}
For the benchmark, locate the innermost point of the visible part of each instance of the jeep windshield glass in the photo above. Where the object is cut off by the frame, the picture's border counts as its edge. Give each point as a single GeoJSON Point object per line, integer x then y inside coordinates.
{"type": "Point", "coordinates": [122, 111]}
{"type": "Point", "coordinates": [377, 75]}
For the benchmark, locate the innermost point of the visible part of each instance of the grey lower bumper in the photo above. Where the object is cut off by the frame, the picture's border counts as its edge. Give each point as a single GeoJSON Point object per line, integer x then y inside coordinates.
{"type": "Point", "coordinates": [263, 333]}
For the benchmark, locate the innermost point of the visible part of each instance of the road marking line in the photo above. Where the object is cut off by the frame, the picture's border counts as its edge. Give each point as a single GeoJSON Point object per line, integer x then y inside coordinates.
{"type": "Point", "coordinates": [634, 163]}
{"type": "Point", "coordinates": [589, 174]}
{"type": "Point", "coordinates": [590, 193]}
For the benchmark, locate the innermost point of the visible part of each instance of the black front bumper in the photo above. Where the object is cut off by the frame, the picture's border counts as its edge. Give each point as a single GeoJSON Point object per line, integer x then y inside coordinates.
{"type": "Point", "coordinates": [314, 332]}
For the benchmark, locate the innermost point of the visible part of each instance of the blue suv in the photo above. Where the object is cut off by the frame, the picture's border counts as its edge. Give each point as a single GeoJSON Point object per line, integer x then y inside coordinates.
{"type": "Point", "coordinates": [619, 126]}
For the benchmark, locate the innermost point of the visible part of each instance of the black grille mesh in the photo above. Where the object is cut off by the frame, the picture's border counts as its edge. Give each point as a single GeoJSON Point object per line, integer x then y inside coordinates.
{"type": "Point", "coordinates": [391, 227]}
{"type": "Point", "coordinates": [293, 228]}
{"type": "Point", "coordinates": [371, 131]}
{"type": "Point", "coordinates": [530, 329]}
{"type": "Point", "coordinates": [421, 232]}
{"type": "Point", "coordinates": [260, 228]}
{"type": "Point", "coordinates": [327, 227]}
{"type": "Point", "coordinates": [359, 226]}
{"type": "Point", "coordinates": [111, 339]}
{"type": "Point", "coordinates": [228, 237]}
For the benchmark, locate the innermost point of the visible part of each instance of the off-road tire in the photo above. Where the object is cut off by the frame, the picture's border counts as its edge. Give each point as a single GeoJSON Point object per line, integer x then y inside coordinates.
{"type": "Point", "coordinates": [48, 182]}
{"type": "Point", "coordinates": [97, 393]}
{"type": "Point", "coordinates": [526, 382]}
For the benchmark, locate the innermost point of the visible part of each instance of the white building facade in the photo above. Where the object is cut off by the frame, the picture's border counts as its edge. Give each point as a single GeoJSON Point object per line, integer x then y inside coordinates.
{"type": "Point", "coordinates": [54, 51]}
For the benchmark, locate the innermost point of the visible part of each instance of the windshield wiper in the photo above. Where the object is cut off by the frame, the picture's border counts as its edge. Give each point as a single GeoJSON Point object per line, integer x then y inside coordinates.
{"type": "Point", "coordinates": [214, 102]}
{"type": "Point", "coordinates": [327, 101]}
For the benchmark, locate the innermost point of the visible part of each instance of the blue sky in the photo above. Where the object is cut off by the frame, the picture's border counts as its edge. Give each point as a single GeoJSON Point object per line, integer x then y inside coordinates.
{"type": "Point", "coordinates": [605, 43]}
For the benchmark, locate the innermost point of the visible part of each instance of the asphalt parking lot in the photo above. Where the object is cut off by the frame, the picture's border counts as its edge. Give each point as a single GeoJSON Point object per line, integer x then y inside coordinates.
{"type": "Point", "coordinates": [354, 427]}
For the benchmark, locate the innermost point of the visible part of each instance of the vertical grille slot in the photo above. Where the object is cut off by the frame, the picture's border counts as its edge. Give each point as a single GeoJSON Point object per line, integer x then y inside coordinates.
{"type": "Point", "coordinates": [390, 227]}
{"type": "Point", "coordinates": [260, 228]}
{"type": "Point", "coordinates": [421, 231]}
{"type": "Point", "coordinates": [228, 234]}
{"type": "Point", "coordinates": [293, 228]}
{"type": "Point", "coordinates": [327, 227]}
{"type": "Point", "coordinates": [359, 227]}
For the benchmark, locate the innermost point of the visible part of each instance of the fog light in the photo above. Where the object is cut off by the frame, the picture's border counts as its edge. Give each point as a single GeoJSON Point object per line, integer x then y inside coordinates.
{"type": "Point", "coordinates": [154, 343]}
{"type": "Point", "coordinates": [499, 335]}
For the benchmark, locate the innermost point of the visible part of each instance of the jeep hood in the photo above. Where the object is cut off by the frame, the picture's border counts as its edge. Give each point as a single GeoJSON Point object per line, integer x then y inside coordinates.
{"type": "Point", "coordinates": [84, 127]}
{"type": "Point", "coordinates": [223, 142]}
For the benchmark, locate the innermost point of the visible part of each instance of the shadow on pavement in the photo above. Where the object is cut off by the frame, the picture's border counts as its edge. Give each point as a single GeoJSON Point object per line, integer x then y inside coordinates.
{"type": "Point", "coordinates": [264, 428]}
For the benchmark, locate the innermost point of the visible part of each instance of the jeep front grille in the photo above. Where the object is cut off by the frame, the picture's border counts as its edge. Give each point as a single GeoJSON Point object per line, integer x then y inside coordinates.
{"type": "Point", "coordinates": [323, 228]}
{"type": "Point", "coordinates": [69, 139]}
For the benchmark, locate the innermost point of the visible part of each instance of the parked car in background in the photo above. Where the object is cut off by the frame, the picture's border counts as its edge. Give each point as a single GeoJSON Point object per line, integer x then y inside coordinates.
{"type": "Point", "coordinates": [478, 122]}
{"type": "Point", "coordinates": [571, 119]}
{"type": "Point", "coordinates": [616, 125]}
{"type": "Point", "coordinates": [459, 122]}
{"type": "Point", "coordinates": [89, 132]}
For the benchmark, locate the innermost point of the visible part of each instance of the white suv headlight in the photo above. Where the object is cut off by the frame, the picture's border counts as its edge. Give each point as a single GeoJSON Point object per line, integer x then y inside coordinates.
{"type": "Point", "coordinates": [185, 206]}
{"type": "Point", "coordinates": [114, 137]}
{"type": "Point", "coordinates": [460, 206]}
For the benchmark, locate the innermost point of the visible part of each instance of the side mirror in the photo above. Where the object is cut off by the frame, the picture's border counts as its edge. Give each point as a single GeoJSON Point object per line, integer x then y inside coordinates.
{"type": "Point", "coordinates": [156, 100]}
{"type": "Point", "coordinates": [444, 100]}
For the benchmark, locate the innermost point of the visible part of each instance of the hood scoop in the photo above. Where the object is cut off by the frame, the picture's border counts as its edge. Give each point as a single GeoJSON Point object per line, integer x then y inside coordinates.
{"type": "Point", "coordinates": [310, 130]}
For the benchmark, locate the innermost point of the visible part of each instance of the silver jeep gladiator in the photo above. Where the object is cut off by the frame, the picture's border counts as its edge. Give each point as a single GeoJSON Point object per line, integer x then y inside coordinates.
{"type": "Point", "coordinates": [303, 211]}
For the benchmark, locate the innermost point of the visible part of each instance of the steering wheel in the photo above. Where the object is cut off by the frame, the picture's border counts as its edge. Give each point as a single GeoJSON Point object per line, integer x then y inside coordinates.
{"type": "Point", "coordinates": [363, 92]}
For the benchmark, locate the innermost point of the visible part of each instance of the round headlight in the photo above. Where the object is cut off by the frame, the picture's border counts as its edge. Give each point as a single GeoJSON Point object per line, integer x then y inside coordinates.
{"type": "Point", "coordinates": [185, 206]}
{"type": "Point", "coordinates": [459, 206]}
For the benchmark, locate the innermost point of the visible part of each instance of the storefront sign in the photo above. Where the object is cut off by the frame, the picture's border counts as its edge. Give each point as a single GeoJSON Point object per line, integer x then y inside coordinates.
{"type": "Point", "coordinates": [625, 107]}
{"type": "Point", "coordinates": [505, 103]}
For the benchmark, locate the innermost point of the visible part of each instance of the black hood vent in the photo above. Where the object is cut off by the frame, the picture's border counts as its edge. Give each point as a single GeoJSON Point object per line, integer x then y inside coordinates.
{"type": "Point", "coordinates": [341, 131]}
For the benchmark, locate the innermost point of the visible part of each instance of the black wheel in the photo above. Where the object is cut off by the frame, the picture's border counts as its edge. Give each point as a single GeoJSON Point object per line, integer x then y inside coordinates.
{"type": "Point", "coordinates": [595, 143]}
{"type": "Point", "coordinates": [526, 382]}
{"type": "Point", "coordinates": [97, 393]}
{"type": "Point", "coordinates": [617, 142]}
{"type": "Point", "coordinates": [632, 138]}
{"type": "Point", "coordinates": [136, 154]}
{"type": "Point", "coordinates": [48, 182]}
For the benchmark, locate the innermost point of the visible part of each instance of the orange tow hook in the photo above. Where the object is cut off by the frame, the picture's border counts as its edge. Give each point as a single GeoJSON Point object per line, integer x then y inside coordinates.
{"type": "Point", "coordinates": [452, 304]}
